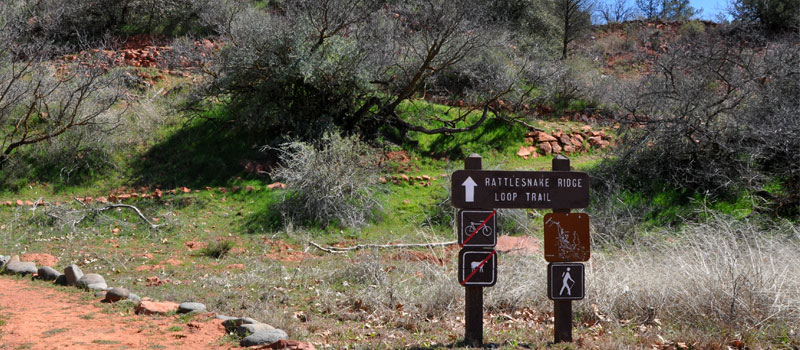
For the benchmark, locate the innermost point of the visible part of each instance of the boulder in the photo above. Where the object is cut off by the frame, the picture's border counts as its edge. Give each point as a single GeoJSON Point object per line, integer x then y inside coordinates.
{"type": "Point", "coordinates": [546, 148]}
{"type": "Point", "coordinates": [556, 147]}
{"type": "Point", "coordinates": [47, 273]}
{"type": "Point", "coordinates": [225, 318]}
{"type": "Point", "coordinates": [116, 294]}
{"type": "Point", "coordinates": [264, 337]}
{"type": "Point", "coordinates": [21, 268]}
{"type": "Point", "coordinates": [290, 345]}
{"type": "Point", "coordinates": [156, 308]}
{"type": "Point", "coordinates": [92, 281]}
{"type": "Point", "coordinates": [134, 298]}
{"type": "Point", "coordinates": [185, 308]}
{"type": "Point", "coordinates": [544, 137]}
{"type": "Point", "coordinates": [253, 328]}
{"type": "Point", "coordinates": [73, 273]}
{"type": "Point", "coordinates": [234, 323]}
{"type": "Point", "coordinates": [61, 280]}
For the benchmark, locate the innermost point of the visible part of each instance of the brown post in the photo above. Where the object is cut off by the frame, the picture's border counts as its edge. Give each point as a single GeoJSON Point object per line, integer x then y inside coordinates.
{"type": "Point", "coordinates": [562, 309]}
{"type": "Point", "coordinates": [473, 295]}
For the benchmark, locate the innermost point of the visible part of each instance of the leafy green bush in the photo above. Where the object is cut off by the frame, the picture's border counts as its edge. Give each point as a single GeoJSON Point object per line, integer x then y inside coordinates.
{"type": "Point", "coordinates": [330, 182]}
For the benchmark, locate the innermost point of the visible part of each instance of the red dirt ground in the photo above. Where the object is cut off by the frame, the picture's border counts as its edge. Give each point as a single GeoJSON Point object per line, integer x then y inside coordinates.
{"type": "Point", "coordinates": [518, 245]}
{"type": "Point", "coordinates": [39, 317]}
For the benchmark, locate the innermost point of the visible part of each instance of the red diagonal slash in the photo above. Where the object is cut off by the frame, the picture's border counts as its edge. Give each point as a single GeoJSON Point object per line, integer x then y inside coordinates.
{"type": "Point", "coordinates": [478, 229]}
{"type": "Point", "coordinates": [478, 268]}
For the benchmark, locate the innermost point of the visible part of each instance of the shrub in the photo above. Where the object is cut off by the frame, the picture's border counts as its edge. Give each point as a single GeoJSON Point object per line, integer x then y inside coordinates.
{"type": "Point", "coordinates": [330, 182]}
{"type": "Point", "coordinates": [714, 118]}
{"type": "Point", "coordinates": [297, 69]}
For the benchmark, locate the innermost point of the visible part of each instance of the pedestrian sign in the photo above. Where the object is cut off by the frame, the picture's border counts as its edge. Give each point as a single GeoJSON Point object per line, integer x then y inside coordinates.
{"type": "Point", "coordinates": [477, 267]}
{"type": "Point", "coordinates": [565, 281]}
{"type": "Point", "coordinates": [477, 228]}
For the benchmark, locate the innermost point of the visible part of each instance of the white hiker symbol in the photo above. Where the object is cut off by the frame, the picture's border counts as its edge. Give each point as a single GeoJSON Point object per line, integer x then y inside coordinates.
{"type": "Point", "coordinates": [469, 189]}
{"type": "Point", "coordinates": [566, 278]}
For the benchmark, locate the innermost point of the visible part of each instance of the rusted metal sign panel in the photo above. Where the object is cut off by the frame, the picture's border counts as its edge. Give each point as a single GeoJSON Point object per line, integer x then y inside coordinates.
{"type": "Point", "coordinates": [519, 189]}
{"type": "Point", "coordinates": [477, 228]}
{"type": "Point", "coordinates": [566, 237]}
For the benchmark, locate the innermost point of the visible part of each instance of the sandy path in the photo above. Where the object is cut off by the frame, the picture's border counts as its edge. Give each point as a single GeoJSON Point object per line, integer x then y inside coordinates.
{"type": "Point", "coordinates": [35, 316]}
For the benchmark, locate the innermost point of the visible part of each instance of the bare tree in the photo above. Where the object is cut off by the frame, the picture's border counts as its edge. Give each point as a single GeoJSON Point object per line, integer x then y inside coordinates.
{"type": "Point", "coordinates": [576, 19]}
{"type": "Point", "coordinates": [615, 11]}
{"type": "Point", "coordinates": [39, 101]}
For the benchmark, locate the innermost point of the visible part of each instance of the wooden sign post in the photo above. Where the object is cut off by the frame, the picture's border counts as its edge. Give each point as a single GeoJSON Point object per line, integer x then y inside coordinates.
{"type": "Point", "coordinates": [478, 192]}
{"type": "Point", "coordinates": [562, 309]}
{"type": "Point", "coordinates": [473, 295]}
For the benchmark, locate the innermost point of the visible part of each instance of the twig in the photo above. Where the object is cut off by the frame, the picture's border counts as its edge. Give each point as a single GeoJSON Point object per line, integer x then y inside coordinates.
{"type": "Point", "coordinates": [379, 246]}
{"type": "Point", "coordinates": [139, 212]}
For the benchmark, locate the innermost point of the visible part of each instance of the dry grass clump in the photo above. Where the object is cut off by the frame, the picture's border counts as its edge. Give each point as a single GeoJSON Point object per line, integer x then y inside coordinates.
{"type": "Point", "coordinates": [330, 182]}
{"type": "Point", "coordinates": [722, 274]}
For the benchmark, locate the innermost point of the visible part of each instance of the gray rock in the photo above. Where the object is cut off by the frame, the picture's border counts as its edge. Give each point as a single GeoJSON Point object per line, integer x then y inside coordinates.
{"type": "Point", "coordinates": [117, 294]}
{"type": "Point", "coordinates": [264, 337]}
{"type": "Point", "coordinates": [97, 286]}
{"type": "Point", "coordinates": [247, 329]}
{"type": "Point", "coordinates": [61, 280]}
{"type": "Point", "coordinates": [185, 308]}
{"type": "Point", "coordinates": [48, 273]}
{"type": "Point", "coordinates": [91, 279]}
{"type": "Point", "coordinates": [21, 268]}
{"type": "Point", "coordinates": [73, 273]}
{"type": "Point", "coordinates": [100, 294]}
{"type": "Point", "coordinates": [225, 318]}
{"type": "Point", "coordinates": [134, 298]}
{"type": "Point", "coordinates": [231, 324]}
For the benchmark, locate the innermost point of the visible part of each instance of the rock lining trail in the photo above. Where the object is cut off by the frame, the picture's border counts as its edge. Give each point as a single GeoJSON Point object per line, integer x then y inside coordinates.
{"type": "Point", "coordinates": [35, 316]}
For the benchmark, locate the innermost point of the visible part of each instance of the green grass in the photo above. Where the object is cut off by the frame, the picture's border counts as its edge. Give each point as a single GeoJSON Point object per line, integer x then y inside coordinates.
{"type": "Point", "coordinates": [54, 331]}
{"type": "Point", "coordinates": [104, 342]}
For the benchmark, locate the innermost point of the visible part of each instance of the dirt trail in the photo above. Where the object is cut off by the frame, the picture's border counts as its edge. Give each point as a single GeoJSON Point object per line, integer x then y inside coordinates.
{"type": "Point", "coordinates": [36, 317]}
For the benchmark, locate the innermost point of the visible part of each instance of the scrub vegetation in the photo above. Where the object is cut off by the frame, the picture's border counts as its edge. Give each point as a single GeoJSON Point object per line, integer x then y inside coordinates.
{"type": "Point", "coordinates": [255, 142]}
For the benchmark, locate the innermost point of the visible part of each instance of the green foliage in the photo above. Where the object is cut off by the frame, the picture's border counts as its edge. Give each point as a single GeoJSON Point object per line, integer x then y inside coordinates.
{"type": "Point", "coordinates": [776, 16]}
{"type": "Point", "coordinates": [207, 151]}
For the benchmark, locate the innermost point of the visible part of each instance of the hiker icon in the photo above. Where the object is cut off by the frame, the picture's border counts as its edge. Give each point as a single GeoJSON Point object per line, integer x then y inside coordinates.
{"type": "Point", "coordinates": [565, 279]}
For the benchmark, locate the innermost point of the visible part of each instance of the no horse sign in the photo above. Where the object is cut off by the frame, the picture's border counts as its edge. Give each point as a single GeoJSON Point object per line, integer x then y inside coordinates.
{"type": "Point", "coordinates": [477, 267]}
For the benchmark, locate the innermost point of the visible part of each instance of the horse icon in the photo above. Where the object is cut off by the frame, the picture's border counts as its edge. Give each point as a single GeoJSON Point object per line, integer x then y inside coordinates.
{"type": "Point", "coordinates": [476, 265]}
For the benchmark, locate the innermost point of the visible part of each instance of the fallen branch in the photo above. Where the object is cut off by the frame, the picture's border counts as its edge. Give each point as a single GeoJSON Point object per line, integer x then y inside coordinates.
{"type": "Point", "coordinates": [379, 246]}
{"type": "Point", "coordinates": [139, 212]}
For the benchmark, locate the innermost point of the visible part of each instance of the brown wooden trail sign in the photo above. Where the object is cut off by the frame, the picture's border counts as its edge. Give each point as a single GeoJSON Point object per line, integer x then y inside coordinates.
{"type": "Point", "coordinates": [566, 237]}
{"type": "Point", "coordinates": [519, 189]}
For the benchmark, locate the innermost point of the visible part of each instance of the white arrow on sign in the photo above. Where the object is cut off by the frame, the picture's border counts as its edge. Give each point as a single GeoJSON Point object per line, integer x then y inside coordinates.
{"type": "Point", "coordinates": [469, 189]}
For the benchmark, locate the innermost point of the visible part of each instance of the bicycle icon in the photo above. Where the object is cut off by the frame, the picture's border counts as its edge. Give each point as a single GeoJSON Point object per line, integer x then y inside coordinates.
{"type": "Point", "coordinates": [485, 230]}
